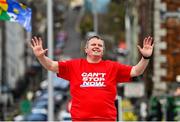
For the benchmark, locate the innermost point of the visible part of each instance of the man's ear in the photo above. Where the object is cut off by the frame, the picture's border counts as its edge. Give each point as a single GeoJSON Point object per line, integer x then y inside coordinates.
{"type": "Point", "coordinates": [85, 49]}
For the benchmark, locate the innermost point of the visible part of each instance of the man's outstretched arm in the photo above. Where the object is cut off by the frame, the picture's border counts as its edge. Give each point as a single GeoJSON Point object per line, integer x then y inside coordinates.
{"type": "Point", "coordinates": [39, 52]}
{"type": "Point", "coordinates": [146, 52]}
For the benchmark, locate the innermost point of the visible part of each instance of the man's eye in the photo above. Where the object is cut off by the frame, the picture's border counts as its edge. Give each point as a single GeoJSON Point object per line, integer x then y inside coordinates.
{"type": "Point", "coordinates": [99, 45]}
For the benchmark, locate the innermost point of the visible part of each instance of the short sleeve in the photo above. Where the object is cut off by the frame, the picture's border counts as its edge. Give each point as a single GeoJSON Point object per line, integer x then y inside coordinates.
{"type": "Point", "coordinates": [64, 69]}
{"type": "Point", "coordinates": [123, 73]}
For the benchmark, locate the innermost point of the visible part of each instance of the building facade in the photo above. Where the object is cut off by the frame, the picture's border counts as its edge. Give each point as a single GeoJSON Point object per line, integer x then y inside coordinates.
{"type": "Point", "coordinates": [167, 47]}
{"type": "Point", "coordinates": [15, 48]}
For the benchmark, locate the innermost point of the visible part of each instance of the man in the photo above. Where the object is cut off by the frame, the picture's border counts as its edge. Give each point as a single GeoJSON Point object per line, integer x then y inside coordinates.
{"type": "Point", "coordinates": [93, 80]}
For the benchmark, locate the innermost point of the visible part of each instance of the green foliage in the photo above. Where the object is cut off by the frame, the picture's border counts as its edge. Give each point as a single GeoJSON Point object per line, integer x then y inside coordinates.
{"type": "Point", "coordinates": [117, 13]}
{"type": "Point", "coordinates": [86, 24]}
{"type": "Point", "coordinates": [115, 18]}
{"type": "Point", "coordinates": [111, 23]}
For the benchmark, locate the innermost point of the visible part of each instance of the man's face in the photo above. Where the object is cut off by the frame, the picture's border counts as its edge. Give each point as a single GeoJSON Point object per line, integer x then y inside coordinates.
{"type": "Point", "coordinates": [94, 47]}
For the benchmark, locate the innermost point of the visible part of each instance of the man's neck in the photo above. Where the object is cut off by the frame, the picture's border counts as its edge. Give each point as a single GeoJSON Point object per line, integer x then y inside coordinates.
{"type": "Point", "coordinates": [93, 59]}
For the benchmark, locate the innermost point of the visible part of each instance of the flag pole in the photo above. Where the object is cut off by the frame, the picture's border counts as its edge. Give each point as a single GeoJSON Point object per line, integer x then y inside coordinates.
{"type": "Point", "coordinates": [95, 17]}
{"type": "Point", "coordinates": [50, 55]}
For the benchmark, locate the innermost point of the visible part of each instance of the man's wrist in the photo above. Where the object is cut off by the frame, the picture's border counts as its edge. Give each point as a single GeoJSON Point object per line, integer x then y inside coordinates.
{"type": "Point", "coordinates": [147, 58]}
{"type": "Point", "coordinates": [41, 56]}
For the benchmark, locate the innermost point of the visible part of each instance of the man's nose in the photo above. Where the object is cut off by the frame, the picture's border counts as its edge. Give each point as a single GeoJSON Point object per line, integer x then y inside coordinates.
{"type": "Point", "coordinates": [96, 46]}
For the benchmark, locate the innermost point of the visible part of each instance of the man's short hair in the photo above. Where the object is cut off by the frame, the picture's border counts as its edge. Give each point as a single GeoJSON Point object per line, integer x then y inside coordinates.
{"type": "Point", "coordinates": [95, 36]}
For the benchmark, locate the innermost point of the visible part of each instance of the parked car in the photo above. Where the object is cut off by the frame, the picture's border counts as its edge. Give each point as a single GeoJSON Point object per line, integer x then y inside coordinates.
{"type": "Point", "coordinates": [58, 84]}
{"type": "Point", "coordinates": [64, 115]}
{"type": "Point", "coordinates": [36, 117]}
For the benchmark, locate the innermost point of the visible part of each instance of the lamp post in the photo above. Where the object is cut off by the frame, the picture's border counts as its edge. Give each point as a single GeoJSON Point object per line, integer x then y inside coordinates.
{"type": "Point", "coordinates": [95, 17]}
{"type": "Point", "coordinates": [50, 55]}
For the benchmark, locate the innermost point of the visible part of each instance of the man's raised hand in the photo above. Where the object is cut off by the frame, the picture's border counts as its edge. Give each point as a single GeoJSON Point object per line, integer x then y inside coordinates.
{"type": "Point", "coordinates": [36, 45]}
{"type": "Point", "coordinates": [147, 48]}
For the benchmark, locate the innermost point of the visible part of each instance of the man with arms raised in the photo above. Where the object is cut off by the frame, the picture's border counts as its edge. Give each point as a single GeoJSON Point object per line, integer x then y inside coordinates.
{"type": "Point", "coordinates": [93, 80]}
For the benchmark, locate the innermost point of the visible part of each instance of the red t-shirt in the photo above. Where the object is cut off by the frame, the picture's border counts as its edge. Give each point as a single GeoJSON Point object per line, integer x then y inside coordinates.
{"type": "Point", "coordinates": [93, 87]}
